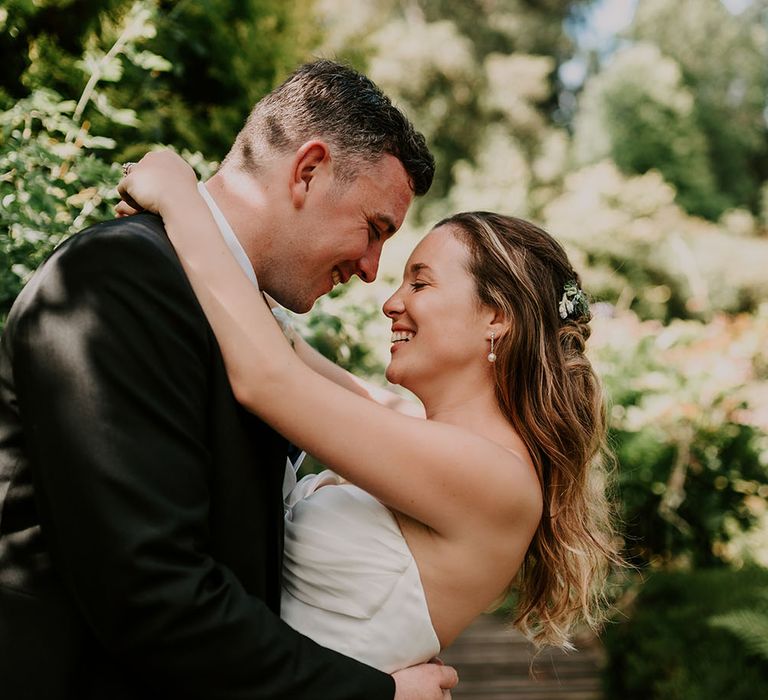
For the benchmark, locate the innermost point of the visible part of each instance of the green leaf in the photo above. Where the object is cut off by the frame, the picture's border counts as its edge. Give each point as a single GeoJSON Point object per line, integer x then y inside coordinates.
{"type": "Point", "coordinates": [749, 626]}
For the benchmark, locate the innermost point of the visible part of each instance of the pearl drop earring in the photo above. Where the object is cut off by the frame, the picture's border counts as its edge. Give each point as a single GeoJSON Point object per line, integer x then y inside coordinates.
{"type": "Point", "coordinates": [492, 354]}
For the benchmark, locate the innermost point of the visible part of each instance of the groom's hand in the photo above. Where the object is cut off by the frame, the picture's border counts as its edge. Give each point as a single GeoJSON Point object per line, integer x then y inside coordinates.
{"type": "Point", "coordinates": [425, 682]}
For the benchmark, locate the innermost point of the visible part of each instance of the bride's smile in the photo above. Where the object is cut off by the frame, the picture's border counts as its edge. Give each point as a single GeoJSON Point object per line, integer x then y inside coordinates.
{"type": "Point", "coordinates": [439, 329]}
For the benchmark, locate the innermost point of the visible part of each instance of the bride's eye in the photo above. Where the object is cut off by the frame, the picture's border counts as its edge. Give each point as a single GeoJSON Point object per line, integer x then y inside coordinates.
{"type": "Point", "coordinates": [418, 285]}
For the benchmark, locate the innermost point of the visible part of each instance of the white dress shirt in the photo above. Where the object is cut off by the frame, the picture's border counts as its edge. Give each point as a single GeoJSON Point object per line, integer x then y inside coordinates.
{"type": "Point", "coordinates": [229, 235]}
{"type": "Point", "coordinates": [234, 245]}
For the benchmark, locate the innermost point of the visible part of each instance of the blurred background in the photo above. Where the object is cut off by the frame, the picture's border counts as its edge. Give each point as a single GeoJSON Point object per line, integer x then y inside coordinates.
{"type": "Point", "coordinates": [635, 131]}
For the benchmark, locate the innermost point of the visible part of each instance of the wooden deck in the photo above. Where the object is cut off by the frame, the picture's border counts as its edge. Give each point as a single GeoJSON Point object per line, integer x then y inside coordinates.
{"type": "Point", "coordinates": [494, 660]}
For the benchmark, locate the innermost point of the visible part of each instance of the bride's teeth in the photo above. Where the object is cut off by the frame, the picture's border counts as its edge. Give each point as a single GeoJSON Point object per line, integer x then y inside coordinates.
{"type": "Point", "coordinates": [398, 336]}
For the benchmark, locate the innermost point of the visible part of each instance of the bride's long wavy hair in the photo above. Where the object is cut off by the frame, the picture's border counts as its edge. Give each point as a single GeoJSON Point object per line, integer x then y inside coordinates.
{"type": "Point", "coordinates": [548, 390]}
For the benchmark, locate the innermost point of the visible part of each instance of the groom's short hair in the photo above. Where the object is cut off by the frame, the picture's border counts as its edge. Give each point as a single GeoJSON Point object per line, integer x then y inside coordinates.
{"type": "Point", "coordinates": [333, 102]}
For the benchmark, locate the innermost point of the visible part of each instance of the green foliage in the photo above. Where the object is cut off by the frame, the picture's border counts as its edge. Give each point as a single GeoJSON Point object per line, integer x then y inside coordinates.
{"type": "Point", "coordinates": [54, 178]}
{"type": "Point", "coordinates": [636, 248]}
{"type": "Point", "coordinates": [189, 71]}
{"type": "Point", "coordinates": [638, 112]}
{"type": "Point", "coordinates": [44, 41]}
{"type": "Point", "coordinates": [52, 185]}
{"type": "Point", "coordinates": [668, 648]}
{"type": "Point", "coordinates": [686, 98]}
{"type": "Point", "coordinates": [749, 625]}
{"type": "Point", "coordinates": [723, 60]}
{"type": "Point", "coordinates": [337, 329]}
{"type": "Point", "coordinates": [692, 452]}
{"type": "Point", "coordinates": [226, 55]}
{"type": "Point", "coordinates": [454, 64]}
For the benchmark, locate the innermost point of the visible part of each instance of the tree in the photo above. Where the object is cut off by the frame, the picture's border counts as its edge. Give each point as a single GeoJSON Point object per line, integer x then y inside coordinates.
{"type": "Point", "coordinates": [686, 97]}
{"type": "Point", "coordinates": [54, 177]}
{"type": "Point", "coordinates": [638, 112]}
{"type": "Point", "coordinates": [191, 80]}
{"type": "Point", "coordinates": [459, 68]}
{"type": "Point", "coordinates": [688, 431]}
{"type": "Point", "coordinates": [724, 59]}
{"type": "Point", "coordinates": [636, 247]}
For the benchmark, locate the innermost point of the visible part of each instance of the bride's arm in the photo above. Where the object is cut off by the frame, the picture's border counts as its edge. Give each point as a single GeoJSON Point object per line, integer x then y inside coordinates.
{"type": "Point", "coordinates": [185, 183]}
{"type": "Point", "coordinates": [330, 370]}
{"type": "Point", "coordinates": [338, 375]}
{"type": "Point", "coordinates": [441, 475]}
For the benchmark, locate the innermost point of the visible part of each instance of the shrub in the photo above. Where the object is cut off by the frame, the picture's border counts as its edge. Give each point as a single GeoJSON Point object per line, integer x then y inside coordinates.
{"type": "Point", "coordinates": [687, 430]}
{"type": "Point", "coordinates": [52, 185]}
{"type": "Point", "coordinates": [673, 646]}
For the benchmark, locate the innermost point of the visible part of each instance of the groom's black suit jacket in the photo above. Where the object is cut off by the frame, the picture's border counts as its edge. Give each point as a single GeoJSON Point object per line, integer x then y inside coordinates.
{"type": "Point", "coordinates": [140, 505]}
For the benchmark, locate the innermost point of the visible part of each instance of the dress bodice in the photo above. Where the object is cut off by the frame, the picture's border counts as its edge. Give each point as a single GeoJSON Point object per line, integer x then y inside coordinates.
{"type": "Point", "coordinates": [349, 580]}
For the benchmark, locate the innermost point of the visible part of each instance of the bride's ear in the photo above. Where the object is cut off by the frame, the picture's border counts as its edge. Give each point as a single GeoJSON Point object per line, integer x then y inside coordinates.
{"type": "Point", "coordinates": [498, 324]}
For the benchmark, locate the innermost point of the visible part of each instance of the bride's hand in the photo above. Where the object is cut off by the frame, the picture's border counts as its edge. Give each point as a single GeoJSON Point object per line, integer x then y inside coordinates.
{"type": "Point", "coordinates": [159, 179]}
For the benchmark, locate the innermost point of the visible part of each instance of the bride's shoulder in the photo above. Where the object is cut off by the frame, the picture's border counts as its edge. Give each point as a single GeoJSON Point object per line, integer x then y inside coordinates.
{"type": "Point", "coordinates": [510, 479]}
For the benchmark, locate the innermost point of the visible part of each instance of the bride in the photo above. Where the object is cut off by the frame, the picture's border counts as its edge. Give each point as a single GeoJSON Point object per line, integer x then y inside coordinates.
{"type": "Point", "coordinates": [425, 521]}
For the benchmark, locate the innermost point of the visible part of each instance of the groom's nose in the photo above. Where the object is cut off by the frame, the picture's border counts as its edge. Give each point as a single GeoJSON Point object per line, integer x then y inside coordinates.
{"type": "Point", "coordinates": [367, 267]}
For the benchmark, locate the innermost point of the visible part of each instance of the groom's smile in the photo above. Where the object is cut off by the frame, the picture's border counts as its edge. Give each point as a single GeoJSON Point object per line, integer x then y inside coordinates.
{"type": "Point", "coordinates": [340, 228]}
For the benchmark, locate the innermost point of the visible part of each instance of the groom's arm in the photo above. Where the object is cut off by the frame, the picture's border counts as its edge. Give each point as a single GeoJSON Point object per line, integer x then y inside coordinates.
{"type": "Point", "coordinates": [111, 359]}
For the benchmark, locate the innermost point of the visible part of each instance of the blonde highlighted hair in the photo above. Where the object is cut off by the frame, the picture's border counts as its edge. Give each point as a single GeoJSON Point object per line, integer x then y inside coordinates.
{"type": "Point", "coordinates": [548, 390]}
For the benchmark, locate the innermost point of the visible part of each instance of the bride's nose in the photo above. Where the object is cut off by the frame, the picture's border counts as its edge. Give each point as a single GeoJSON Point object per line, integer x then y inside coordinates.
{"type": "Point", "coordinates": [394, 305]}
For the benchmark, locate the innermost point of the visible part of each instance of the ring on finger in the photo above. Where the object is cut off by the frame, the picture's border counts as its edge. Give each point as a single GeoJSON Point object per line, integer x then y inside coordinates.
{"type": "Point", "coordinates": [127, 168]}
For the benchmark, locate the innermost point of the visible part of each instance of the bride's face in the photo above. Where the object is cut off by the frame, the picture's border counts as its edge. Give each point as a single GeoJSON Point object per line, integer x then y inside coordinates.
{"type": "Point", "coordinates": [439, 328]}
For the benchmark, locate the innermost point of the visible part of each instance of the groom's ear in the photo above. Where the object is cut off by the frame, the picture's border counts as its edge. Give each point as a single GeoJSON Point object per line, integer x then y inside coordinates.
{"type": "Point", "coordinates": [310, 162]}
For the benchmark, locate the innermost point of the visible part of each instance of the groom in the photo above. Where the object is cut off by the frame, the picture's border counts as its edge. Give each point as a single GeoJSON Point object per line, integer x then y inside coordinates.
{"type": "Point", "coordinates": [140, 505]}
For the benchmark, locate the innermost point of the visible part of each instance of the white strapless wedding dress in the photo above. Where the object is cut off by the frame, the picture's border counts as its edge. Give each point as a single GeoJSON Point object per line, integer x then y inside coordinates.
{"type": "Point", "coordinates": [349, 580]}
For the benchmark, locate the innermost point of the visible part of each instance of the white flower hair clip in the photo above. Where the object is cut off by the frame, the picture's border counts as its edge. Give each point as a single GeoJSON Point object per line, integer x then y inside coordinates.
{"type": "Point", "coordinates": [574, 302]}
